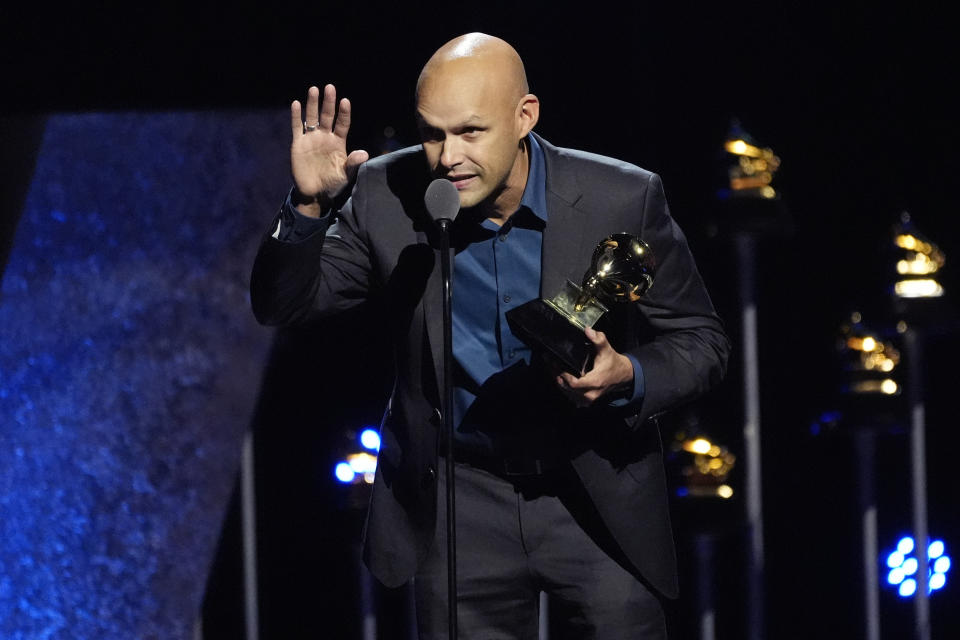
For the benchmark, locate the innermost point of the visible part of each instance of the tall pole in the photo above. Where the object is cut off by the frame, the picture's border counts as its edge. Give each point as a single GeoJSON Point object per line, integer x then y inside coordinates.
{"type": "Point", "coordinates": [544, 633]}
{"type": "Point", "coordinates": [747, 258]}
{"type": "Point", "coordinates": [866, 449]}
{"type": "Point", "coordinates": [705, 612]}
{"type": "Point", "coordinates": [448, 430]}
{"type": "Point", "coordinates": [368, 610]}
{"type": "Point", "coordinates": [249, 516]}
{"type": "Point", "coordinates": [918, 481]}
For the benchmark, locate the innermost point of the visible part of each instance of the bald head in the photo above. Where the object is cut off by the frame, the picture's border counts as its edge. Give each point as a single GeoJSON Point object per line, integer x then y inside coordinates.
{"type": "Point", "coordinates": [480, 56]}
{"type": "Point", "coordinates": [474, 113]}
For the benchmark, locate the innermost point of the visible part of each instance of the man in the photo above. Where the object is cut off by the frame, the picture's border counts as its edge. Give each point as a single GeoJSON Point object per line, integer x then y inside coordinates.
{"type": "Point", "coordinates": [560, 483]}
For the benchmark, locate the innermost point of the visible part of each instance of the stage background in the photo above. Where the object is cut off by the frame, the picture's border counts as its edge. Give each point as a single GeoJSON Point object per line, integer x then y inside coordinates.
{"type": "Point", "coordinates": [145, 151]}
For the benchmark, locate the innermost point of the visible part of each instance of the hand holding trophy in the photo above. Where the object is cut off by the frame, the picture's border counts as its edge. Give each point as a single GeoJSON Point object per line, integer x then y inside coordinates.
{"type": "Point", "coordinates": [621, 270]}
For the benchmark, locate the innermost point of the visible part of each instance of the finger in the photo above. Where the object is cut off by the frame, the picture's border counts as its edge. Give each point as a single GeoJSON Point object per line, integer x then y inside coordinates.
{"type": "Point", "coordinates": [313, 96]}
{"type": "Point", "coordinates": [343, 119]}
{"type": "Point", "coordinates": [328, 108]}
{"type": "Point", "coordinates": [571, 382]}
{"type": "Point", "coordinates": [354, 160]}
{"type": "Point", "coordinates": [295, 122]}
{"type": "Point", "coordinates": [598, 338]}
{"type": "Point", "coordinates": [593, 380]}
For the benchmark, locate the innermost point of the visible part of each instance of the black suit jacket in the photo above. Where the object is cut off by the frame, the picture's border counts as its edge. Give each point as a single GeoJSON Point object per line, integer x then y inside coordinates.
{"type": "Point", "coordinates": [381, 243]}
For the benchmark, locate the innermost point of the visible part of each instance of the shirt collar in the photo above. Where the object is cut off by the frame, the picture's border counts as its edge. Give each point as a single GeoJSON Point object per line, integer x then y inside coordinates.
{"type": "Point", "coordinates": [535, 192]}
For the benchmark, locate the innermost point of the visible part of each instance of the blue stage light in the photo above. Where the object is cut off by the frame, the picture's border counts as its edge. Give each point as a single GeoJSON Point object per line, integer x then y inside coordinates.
{"type": "Point", "coordinates": [370, 439]}
{"type": "Point", "coordinates": [895, 559]}
{"type": "Point", "coordinates": [902, 565]}
{"type": "Point", "coordinates": [937, 581]}
{"type": "Point", "coordinates": [905, 545]}
{"type": "Point", "coordinates": [910, 566]}
{"type": "Point", "coordinates": [907, 588]}
{"type": "Point", "coordinates": [895, 576]}
{"type": "Point", "coordinates": [344, 473]}
{"type": "Point", "coordinates": [941, 564]}
{"type": "Point", "coordinates": [935, 550]}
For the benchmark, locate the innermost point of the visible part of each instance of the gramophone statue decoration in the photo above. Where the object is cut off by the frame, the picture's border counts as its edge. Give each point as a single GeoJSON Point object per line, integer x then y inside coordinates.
{"type": "Point", "coordinates": [751, 174]}
{"type": "Point", "coordinates": [621, 269]}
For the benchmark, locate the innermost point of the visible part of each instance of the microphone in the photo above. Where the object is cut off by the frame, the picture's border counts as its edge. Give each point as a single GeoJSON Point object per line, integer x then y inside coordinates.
{"type": "Point", "coordinates": [442, 200]}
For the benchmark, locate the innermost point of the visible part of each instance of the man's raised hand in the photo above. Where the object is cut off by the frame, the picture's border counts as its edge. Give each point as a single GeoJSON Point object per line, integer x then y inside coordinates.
{"type": "Point", "coordinates": [319, 162]}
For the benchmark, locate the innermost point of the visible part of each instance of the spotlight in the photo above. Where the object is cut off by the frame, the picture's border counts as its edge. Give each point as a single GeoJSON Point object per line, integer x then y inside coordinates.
{"type": "Point", "coordinates": [370, 439]}
{"type": "Point", "coordinates": [359, 467]}
{"type": "Point", "coordinates": [905, 545]}
{"type": "Point", "coordinates": [902, 566]}
{"type": "Point", "coordinates": [907, 588]}
{"type": "Point", "coordinates": [344, 473]}
{"type": "Point", "coordinates": [935, 550]}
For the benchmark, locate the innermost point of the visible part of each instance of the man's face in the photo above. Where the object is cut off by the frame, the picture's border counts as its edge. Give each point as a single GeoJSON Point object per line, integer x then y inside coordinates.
{"type": "Point", "coordinates": [471, 132]}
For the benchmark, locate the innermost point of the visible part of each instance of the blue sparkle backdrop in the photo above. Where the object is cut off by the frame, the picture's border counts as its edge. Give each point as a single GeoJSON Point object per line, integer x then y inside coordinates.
{"type": "Point", "coordinates": [129, 366]}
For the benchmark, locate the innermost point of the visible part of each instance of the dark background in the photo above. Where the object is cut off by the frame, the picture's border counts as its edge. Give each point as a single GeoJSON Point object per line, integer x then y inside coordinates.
{"type": "Point", "coordinates": [858, 101]}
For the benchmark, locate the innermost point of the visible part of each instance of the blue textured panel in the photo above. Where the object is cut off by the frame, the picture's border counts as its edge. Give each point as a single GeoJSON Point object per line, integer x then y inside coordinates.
{"type": "Point", "coordinates": [129, 366]}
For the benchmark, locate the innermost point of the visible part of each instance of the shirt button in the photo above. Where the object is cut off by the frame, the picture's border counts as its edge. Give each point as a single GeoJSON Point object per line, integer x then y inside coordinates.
{"type": "Point", "coordinates": [503, 237]}
{"type": "Point", "coordinates": [506, 298]}
{"type": "Point", "coordinates": [511, 354]}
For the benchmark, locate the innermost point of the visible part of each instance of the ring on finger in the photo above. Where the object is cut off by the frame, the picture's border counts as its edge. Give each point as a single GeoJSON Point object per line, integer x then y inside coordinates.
{"type": "Point", "coordinates": [311, 127]}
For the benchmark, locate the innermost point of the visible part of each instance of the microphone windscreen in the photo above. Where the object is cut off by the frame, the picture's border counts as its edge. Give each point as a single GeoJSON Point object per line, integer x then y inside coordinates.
{"type": "Point", "coordinates": [442, 200]}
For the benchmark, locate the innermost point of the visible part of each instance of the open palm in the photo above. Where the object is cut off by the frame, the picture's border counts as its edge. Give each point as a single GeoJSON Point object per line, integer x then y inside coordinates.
{"type": "Point", "coordinates": [319, 162]}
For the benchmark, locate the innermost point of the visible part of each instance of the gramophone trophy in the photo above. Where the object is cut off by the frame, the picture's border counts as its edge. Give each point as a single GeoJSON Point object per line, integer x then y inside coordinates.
{"type": "Point", "coordinates": [621, 270]}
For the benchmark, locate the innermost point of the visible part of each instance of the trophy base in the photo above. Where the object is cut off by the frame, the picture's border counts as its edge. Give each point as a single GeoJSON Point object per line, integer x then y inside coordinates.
{"type": "Point", "coordinates": [538, 324]}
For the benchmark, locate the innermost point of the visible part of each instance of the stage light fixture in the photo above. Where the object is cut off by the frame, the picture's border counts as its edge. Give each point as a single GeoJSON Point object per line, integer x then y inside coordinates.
{"type": "Point", "coordinates": [370, 439]}
{"type": "Point", "coordinates": [907, 588]}
{"type": "Point", "coordinates": [917, 263]}
{"type": "Point", "coordinates": [910, 566]}
{"type": "Point", "coordinates": [344, 473]}
{"type": "Point", "coordinates": [937, 581]}
{"type": "Point", "coordinates": [360, 467]}
{"type": "Point", "coordinates": [905, 545]}
{"type": "Point", "coordinates": [902, 566]}
{"type": "Point", "coordinates": [936, 549]}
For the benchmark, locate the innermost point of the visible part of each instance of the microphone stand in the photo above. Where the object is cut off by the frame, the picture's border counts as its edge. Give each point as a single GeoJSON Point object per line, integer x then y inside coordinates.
{"type": "Point", "coordinates": [443, 203]}
{"type": "Point", "coordinates": [448, 428]}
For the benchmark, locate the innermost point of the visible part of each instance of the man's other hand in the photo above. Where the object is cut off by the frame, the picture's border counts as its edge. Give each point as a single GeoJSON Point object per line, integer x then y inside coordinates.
{"type": "Point", "coordinates": [612, 371]}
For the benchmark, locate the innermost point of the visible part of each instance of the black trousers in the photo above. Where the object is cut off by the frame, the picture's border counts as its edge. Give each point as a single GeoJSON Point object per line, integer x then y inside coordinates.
{"type": "Point", "coordinates": [518, 537]}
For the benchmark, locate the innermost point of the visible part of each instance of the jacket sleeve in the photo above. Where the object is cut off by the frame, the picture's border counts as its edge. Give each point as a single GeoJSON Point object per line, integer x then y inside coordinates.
{"type": "Point", "coordinates": [322, 274]}
{"type": "Point", "coordinates": [687, 354]}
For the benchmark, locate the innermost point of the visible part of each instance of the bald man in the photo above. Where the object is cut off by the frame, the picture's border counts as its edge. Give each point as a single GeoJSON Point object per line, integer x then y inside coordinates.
{"type": "Point", "coordinates": [560, 483]}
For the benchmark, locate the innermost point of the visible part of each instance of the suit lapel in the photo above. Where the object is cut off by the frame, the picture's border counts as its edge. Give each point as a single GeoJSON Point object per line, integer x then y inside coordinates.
{"type": "Point", "coordinates": [563, 238]}
{"type": "Point", "coordinates": [433, 313]}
